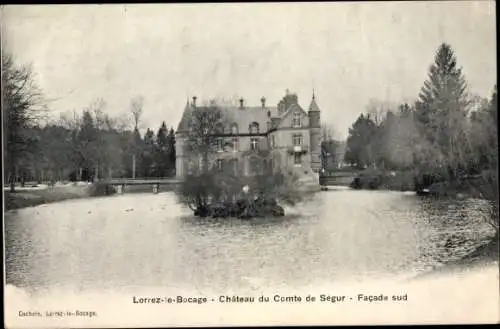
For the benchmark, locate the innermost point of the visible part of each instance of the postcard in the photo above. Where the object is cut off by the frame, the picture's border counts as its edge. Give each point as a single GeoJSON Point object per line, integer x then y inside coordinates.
{"type": "Point", "coordinates": [213, 164]}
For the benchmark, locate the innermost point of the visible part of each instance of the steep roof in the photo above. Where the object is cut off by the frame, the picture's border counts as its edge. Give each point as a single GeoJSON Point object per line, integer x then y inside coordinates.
{"type": "Point", "coordinates": [290, 109]}
{"type": "Point", "coordinates": [313, 106]}
{"type": "Point", "coordinates": [186, 114]}
{"type": "Point", "coordinates": [243, 117]}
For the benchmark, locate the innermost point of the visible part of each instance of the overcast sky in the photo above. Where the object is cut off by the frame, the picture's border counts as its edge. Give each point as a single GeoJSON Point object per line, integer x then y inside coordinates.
{"type": "Point", "coordinates": [348, 52]}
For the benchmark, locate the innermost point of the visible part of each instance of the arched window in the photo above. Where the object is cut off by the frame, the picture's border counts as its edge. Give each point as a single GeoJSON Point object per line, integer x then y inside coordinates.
{"type": "Point", "coordinates": [234, 129]}
{"type": "Point", "coordinates": [254, 128]}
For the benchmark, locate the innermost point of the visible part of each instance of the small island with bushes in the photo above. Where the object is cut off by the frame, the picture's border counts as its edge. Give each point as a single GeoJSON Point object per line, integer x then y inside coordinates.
{"type": "Point", "coordinates": [221, 195]}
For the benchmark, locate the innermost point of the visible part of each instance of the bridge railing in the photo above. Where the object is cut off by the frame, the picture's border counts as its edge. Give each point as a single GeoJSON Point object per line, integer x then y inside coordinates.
{"type": "Point", "coordinates": [145, 180]}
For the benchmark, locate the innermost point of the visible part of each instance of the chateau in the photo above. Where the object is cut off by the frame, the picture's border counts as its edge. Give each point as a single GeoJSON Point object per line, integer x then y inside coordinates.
{"type": "Point", "coordinates": [286, 132]}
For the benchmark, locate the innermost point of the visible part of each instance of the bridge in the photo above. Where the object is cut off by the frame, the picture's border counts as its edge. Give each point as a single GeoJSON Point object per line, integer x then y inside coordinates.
{"type": "Point", "coordinates": [328, 178]}
{"type": "Point", "coordinates": [135, 185]}
{"type": "Point", "coordinates": [337, 178]}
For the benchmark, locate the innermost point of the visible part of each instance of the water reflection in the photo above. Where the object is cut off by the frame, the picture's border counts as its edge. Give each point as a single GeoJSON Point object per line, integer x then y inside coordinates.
{"type": "Point", "coordinates": [150, 240]}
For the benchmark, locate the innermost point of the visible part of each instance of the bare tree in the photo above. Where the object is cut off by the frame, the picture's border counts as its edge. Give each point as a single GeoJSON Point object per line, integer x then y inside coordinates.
{"type": "Point", "coordinates": [203, 135]}
{"type": "Point", "coordinates": [97, 108]}
{"type": "Point", "coordinates": [136, 108]}
{"type": "Point", "coordinates": [22, 105]}
{"type": "Point", "coordinates": [120, 123]}
{"type": "Point", "coordinates": [70, 120]}
{"type": "Point", "coordinates": [377, 110]}
{"type": "Point", "coordinates": [327, 132]}
{"type": "Point", "coordinates": [204, 129]}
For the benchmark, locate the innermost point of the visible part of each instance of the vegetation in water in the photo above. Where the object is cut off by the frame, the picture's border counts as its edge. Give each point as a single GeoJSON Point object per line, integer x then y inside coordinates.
{"type": "Point", "coordinates": [217, 189]}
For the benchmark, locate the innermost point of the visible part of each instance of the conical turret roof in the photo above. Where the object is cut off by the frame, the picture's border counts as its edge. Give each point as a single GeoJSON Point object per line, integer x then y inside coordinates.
{"type": "Point", "coordinates": [186, 117]}
{"type": "Point", "coordinates": [313, 107]}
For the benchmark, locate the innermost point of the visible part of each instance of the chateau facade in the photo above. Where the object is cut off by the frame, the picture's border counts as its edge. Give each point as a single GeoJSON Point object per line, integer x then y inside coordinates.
{"type": "Point", "coordinates": [289, 136]}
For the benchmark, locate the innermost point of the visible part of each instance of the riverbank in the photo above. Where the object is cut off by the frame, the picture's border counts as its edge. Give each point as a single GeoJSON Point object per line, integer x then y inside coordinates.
{"type": "Point", "coordinates": [30, 198]}
{"type": "Point", "coordinates": [35, 196]}
{"type": "Point", "coordinates": [482, 257]}
{"type": "Point", "coordinates": [483, 185]}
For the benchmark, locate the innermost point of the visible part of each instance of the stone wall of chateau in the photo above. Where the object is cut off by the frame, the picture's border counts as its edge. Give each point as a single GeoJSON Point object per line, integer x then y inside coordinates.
{"type": "Point", "coordinates": [302, 158]}
{"type": "Point", "coordinates": [283, 153]}
{"type": "Point", "coordinates": [284, 149]}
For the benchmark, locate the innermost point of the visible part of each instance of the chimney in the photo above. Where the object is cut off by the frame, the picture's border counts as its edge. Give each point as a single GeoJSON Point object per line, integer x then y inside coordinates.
{"type": "Point", "coordinates": [263, 102]}
{"type": "Point", "coordinates": [194, 101]}
{"type": "Point", "coordinates": [241, 103]}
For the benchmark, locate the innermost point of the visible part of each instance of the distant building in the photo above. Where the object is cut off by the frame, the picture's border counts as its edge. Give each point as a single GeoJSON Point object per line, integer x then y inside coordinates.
{"type": "Point", "coordinates": [291, 134]}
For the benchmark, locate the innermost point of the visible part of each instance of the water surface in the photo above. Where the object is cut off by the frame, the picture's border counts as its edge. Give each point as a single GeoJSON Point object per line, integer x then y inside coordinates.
{"type": "Point", "coordinates": [148, 240]}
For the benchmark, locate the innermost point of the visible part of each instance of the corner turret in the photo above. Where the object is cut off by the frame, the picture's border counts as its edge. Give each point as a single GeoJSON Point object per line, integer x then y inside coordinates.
{"type": "Point", "coordinates": [315, 134]}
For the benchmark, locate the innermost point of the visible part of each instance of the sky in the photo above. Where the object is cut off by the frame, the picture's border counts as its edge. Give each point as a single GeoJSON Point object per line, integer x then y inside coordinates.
{"type": "Point", "coordinates": [348, 53]}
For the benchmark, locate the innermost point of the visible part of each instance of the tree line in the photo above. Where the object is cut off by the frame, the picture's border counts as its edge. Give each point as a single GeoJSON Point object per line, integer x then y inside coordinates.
{"type": "Point", "coordinates": [88, 145]}
{"type": "Point", "coordinates": [445, 133]}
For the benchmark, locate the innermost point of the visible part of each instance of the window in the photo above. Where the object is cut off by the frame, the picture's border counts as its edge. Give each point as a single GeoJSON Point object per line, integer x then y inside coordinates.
{"type": "Point", "coordinates": [233, 166]}
{"type": "Point", "coordinates": [296, 120]}
{"type": "Point", "coordinates": [277, 161]}
{"type": "Point", "coordinates": [268, 165]}
{"type": "Point", "coordinates": [296, 139]}
{"type": "Point", "coordinates": [220, 145]}
{"type": "Point", "coordinates": [297, 159]}
{"type": "Point", "coordinates": [254, 128]}
{"type": "Point", "coordinates": [234, 129]}
{"type": "Point", "coordinates": [273, 141]}
{"type": "Point", "coordinates": [235, 143]}
{"type": "Point", "coordinates": [219, 164]}
{"type": "Point", "coordinates": [254, 143]}
{"type": "Point", "coordinates": [255, 165]}
{"type": "Point", "coordinates": [191, 166]}
{"type": "Point", "coordinates": [219, 128]}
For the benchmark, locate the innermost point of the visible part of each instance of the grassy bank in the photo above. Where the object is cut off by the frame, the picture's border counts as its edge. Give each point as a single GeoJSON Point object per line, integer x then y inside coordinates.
{"type": "Point", "coordinates": [34, 197]}
{"type": "Point", "coordinates": [23, 199]}
{"type": "Point", "coordinates": [482, 186]}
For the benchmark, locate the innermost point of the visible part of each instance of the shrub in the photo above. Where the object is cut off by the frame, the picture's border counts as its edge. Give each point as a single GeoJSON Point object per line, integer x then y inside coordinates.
{"type": "Point", "coordinates": [101, 189]}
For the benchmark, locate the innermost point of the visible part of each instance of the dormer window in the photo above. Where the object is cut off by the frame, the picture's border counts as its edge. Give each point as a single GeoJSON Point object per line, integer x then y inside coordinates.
{"type": "Point", "coordinates": [296, 120]}
{"type": "Point", "coordinates": [254, 128]}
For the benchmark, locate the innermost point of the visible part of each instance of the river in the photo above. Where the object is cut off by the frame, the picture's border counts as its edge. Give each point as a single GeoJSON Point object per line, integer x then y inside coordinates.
{"type": "Point", "coordinates": [147, 240]}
